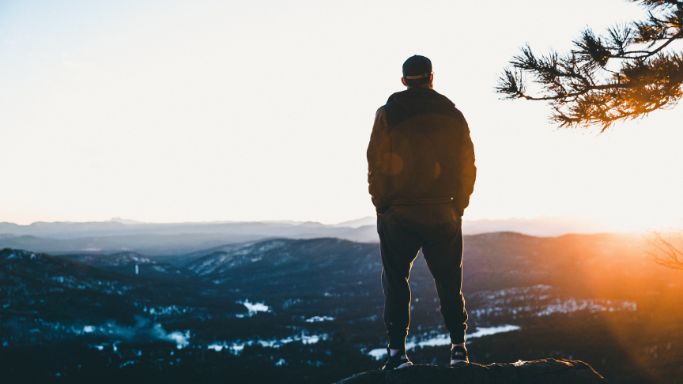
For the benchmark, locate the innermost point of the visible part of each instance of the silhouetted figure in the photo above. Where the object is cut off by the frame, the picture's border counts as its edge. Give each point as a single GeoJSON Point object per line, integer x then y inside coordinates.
{"type": "Point", "coordinates": [420, 173]}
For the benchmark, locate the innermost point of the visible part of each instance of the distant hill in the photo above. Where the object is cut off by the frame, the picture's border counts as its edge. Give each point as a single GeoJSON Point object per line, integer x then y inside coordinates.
{"type": "Point", "coordinates": [119, 235]}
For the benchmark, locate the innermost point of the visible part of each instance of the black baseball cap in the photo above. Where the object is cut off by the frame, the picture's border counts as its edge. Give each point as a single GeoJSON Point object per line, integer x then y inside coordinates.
{"type": "Point", "coordinates": [417, 67]}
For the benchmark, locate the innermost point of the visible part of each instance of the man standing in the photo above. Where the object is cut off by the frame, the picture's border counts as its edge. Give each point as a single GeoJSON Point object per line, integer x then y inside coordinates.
{"type": "Point", "coordinates": [421, 173]}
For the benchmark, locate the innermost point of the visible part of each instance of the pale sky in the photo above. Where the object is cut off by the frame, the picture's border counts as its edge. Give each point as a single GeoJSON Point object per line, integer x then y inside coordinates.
{"type": "Point", "coordinates": [261, 110]}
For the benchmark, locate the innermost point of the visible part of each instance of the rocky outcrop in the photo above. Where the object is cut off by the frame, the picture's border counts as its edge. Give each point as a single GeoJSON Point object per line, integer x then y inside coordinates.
{"type": "Point", "coordinates": [545, 371]}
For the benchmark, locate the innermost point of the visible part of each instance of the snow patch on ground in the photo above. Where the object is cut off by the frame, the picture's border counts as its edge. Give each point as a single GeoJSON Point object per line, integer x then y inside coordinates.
{"type": "Point", "coordinates": [167, 310]}
{"type": "Point", "coordinates": [236, 347]}
{"type": "Point", "coordinates": [593, 306]}
{"type": "Point", "coordinates": [444, 339]}
{"type": "Point", "coordinates": [142, 330]}
{"type": "Point", "coordinates": [488, 331]}
{"type": "Point", "coordinates": [319, 319]}
{"type": "Point", "coordinates": [539, 301]}
{"type": "Point", "coordinates": [253, 308]}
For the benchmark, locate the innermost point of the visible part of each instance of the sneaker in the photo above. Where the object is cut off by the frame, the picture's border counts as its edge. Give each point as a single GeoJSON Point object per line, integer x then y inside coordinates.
{"type": "Point", "coordinates": [398, 361]}
{"type": "Point", "coordinates": [459, 355]}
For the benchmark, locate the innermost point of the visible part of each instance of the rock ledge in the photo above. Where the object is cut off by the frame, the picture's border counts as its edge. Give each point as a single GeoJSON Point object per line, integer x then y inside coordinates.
{"type": "Point", "coordinates": [544, 371]}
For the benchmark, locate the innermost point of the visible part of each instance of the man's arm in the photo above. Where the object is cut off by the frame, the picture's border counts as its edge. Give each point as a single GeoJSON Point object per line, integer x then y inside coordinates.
{"type": "Point", "coordinates": [468, 171]}
{"type": "Point", "coordinates": [376, 149]}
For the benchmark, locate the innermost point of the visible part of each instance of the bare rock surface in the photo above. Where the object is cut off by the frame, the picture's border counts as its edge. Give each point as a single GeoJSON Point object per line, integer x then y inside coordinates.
{"type": "Point", "coordinates": [556, 371]}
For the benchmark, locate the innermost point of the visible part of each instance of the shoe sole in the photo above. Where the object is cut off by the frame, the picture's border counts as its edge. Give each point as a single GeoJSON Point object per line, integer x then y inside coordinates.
{"type": "Point", "coordinates": [458, 363]}
{"type": "Point", "coordinates": [404, 365]}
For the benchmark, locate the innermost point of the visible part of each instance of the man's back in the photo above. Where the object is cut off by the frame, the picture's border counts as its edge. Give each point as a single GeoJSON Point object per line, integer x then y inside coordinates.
{"type": "Point", "coordinates": [420, 150]}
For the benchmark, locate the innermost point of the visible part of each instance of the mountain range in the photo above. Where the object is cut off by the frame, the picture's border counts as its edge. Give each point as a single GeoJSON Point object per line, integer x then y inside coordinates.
{"type": "Point", "coordinates": [120, 235]}
{"type": "Point", "coordinates": [310, 310]}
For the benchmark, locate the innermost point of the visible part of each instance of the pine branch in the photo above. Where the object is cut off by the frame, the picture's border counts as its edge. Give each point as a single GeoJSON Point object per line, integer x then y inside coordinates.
{"type": "Point", "coordinates": [625, 74]}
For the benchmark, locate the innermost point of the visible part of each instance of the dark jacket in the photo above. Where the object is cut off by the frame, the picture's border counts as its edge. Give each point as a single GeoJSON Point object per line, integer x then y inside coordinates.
{"type": "Point", "coordinates": [420, 151]}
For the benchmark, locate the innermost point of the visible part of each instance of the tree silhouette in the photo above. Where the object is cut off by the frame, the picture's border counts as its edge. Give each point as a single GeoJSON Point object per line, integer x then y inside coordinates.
{"type": "Point", "coordinates": [666, 253]}
{"type": "Point", "coordinates": [631, 71]}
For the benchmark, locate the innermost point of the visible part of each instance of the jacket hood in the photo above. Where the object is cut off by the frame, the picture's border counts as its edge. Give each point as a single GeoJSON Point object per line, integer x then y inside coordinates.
{"type": "Point", "coordinates": [416, 101]}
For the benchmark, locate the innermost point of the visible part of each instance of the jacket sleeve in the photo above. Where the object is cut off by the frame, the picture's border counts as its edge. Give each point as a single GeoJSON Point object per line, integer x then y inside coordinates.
{"type": "Point", "coordinates": [377, 180]}
{"type": "Point", "coordinates": [468, 171]}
